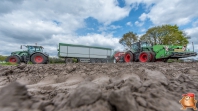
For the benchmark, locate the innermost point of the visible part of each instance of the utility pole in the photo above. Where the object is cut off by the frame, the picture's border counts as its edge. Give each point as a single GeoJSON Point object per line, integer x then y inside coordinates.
{"type": "Point", "coordinates": [193, 46]}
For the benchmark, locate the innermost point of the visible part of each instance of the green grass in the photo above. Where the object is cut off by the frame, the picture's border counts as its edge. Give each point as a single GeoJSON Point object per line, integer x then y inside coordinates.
{"type": "Point", "coordinates": [7, 63]}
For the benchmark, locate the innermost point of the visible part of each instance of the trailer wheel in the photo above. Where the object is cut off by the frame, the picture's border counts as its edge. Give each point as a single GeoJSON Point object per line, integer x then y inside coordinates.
{"type": "Point", "coordinates": [13, 59]}
{"type": "Point", "coordinates": [93, 61]}
{"type": "Point", "coordinates": [38, 58]}
{"type": "Point", "coordinates": [104, 61]}
{"type": "Point", "coordinates": [144, 57]}
{"type": "Point", "coordinates": [68, 60]}
{"type": "Point", "coordinates": [128, 57]}
{"type": "Point", "coordinates": [98, 60]}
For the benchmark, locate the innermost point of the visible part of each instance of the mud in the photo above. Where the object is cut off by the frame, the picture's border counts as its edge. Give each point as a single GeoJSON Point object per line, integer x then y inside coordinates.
{"type": "Point", "coordinates": [97, 87]}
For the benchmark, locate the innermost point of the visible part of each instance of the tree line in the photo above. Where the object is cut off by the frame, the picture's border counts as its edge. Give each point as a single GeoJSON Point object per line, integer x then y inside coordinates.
{"type": "Point", "coordinates": [158, 35]}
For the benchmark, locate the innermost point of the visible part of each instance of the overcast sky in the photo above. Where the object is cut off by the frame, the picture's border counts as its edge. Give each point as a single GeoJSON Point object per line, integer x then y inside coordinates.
{"type": "Point", "coordinates": [89, 22]}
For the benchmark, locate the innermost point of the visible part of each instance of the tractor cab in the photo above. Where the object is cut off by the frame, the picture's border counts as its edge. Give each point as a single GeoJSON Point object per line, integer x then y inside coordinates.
{"type": "Point", "coordinates": [139, 46]}
{"type": "Point", "coordinates": [32, 49]}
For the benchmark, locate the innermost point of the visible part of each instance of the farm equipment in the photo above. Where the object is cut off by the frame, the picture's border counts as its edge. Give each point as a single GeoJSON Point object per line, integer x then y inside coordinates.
{"type": "Point", "coordinates": [144, 52]}
{"type": "Point", "coordinates": [84, 53]}
{"type": "Point", "coordinates": [33, 54]}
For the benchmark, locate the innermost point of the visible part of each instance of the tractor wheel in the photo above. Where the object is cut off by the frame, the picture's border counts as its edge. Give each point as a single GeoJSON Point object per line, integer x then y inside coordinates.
{"type": "Point", "coordinates": [165, 60]}
{"type": "Point", "coordinates": [13, 59]}
{"type": "Point", "coordinates": [38, 58]}
{"type": "Point", "coordinates": [68, 60]}
{"type": "Point", "coordinates": [128, 57]}
{"type": "Point", "coordinates": [152, 54]}
{"type": "Point", "coordinates": [144, 57]}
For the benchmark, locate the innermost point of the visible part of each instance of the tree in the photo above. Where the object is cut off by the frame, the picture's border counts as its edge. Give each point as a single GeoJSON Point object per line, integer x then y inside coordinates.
{"type": "Point", "coordinates": [128, 38]}
{"type": "Point", "coordinates": [2, 58]}
{"type": "Point", "coordinates": [165, 34]}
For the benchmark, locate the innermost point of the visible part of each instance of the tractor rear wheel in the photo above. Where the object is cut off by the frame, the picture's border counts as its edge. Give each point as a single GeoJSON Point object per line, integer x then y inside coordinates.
{"type": "Point", "coordinates": [38, 58]}
{"type": "Point", "coordinates": [144, 57]}
{"type": "Point", "coordinates": [13, 59]}
{"type": "Point", "coordinates": [128, 57]}
{"type": "Point", "coordinates": [152, 54]}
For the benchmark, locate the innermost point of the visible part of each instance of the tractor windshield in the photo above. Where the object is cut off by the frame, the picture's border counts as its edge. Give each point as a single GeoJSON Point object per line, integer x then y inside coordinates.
{"type": "Point", "coordinates": [35, 49]}
{"type": "Point", "coordinates": [138, 45]}
{"type": "Point", "coordinates": [135, 47]}
{"type": "Point", "coordinates": [145, 44]}
{"type": "Point", "coordinates": [39, 49]}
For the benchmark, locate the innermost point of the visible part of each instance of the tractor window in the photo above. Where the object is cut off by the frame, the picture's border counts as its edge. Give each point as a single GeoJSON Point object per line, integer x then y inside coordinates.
{"type": "Point", "coordinates": [143, 44]}
{"type": "Point", "coordinates": [30, 48]}
{"type": "Point", "coordinates": [135, 47]}
{"type": "Point", "coordinates": [38, 49]}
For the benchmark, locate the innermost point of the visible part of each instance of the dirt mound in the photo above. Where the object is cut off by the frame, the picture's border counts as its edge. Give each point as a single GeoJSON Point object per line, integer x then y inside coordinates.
{"type": "Point", "coordinates": [107, 87]}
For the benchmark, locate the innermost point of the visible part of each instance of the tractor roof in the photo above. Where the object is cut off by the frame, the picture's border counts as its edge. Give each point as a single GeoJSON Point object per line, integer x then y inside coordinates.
{"type": "Point", "coordinates": [34, 46]}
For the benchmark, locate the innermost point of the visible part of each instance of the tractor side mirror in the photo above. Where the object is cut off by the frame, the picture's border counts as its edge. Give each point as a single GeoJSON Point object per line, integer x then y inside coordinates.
{"type": "Point", "coordinates": [21, 47]}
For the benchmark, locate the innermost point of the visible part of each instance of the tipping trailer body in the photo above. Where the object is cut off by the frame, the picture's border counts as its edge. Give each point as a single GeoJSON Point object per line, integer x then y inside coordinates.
{"type": "Point", "coordinates": [84, 53]}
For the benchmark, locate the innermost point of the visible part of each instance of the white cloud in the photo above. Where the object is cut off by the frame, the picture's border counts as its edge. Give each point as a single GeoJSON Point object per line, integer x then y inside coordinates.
{"type": "Point", "coordinates": [129, 24]}
{"type": "Point", "coordinates": [193, 33]}
{"type": "Point", "coordinates": [179, 12]}
{"type": "Point", "coordinates": [102, 40]}
{"type": "Point", "coordinates": [195, 24]}
{"type": "Point", "coordinates": [143, 17]}
{"type": "Point", "coordinates": [139, 24]}
{"type": "Point", "coordinates": [109, 27]}
{"type": "Point", "coordinates": [48, 22]}
{"type": "Point", "coordinates": [143, 30]}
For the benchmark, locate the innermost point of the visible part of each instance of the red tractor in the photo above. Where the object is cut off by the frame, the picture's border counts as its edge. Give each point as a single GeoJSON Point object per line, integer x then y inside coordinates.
{"type": "Point", "coordinates": [144, 52]}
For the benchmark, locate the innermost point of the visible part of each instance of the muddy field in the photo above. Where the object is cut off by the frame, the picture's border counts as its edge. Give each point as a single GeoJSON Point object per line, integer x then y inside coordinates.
{"type": "Point", "coordinates": [97, 87]}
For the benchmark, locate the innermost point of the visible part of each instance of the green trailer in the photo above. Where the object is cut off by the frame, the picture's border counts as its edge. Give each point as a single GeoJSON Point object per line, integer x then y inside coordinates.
{"type": "Point", "coordinates": [84, 53]}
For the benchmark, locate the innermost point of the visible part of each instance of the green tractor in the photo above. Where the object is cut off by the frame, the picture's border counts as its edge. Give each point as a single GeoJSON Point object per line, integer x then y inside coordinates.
{"type": "Point", "coordinates": [144, 52]}
{"type": "Point", "coordinates": [33, 54]}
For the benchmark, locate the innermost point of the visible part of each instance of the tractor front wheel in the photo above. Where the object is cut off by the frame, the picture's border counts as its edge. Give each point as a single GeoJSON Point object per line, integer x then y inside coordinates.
{"type": "Point", "coordinates": [38, 58]}
{"type": "Point", "coordinates": [144, 57]}
{"type": "Point", "coordinates": [13, 59]}
{"type": "Point", "coordinates": [128, 57]}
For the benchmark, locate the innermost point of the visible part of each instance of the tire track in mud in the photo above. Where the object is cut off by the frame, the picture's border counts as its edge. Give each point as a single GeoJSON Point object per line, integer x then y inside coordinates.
{"type": "Point", "coordinates": [108, 87]}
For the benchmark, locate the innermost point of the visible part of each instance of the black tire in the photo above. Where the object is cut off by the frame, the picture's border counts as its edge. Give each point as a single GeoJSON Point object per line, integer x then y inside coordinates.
{"type": "Point", "coordinates": [13, 59]}
{"type": "Point", "coordinates": [104, 60]}
{"type": "Point", "coordinates": [38, 58]}
{"type": "Point", "coordinates": [152, 56]}
{"type": "Point", "coordinates": [68, 60]}
{"type": "Point", "coordinates": [144, 57]}
{"type": "Point", "coordinates": [98, 60]}
{"type": "Point", "coordinates": [165, 60]}
{"type": "Point", "coordinates": [128, 57]}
